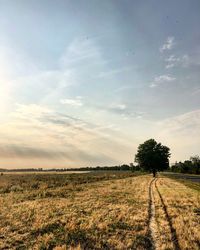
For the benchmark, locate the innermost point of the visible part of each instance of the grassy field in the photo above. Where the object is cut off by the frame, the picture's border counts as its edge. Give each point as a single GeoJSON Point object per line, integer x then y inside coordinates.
{"type": "Point", "coordinates": [177, 215]}
{"type": "Point", "coordinates": [189, 183]}
{"type": "Point", "coordinates": [97, 211]}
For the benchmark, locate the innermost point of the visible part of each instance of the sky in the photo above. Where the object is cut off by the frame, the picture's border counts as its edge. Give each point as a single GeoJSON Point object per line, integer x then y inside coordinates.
{"type": "Point", "coordinates": [83, 83]}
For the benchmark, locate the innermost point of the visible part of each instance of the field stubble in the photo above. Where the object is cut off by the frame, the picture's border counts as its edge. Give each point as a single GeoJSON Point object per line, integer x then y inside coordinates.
{"type": "Point", "coordinates": [97, 211]}
{"type": "Point", "coordinates": [80, 214]}
{"type": "Point", "coordinates": [177, 220]}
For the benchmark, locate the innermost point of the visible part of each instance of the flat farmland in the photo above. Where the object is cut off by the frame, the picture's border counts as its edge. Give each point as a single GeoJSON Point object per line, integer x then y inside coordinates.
{"type": "Point", "coordinates": [107, 210]}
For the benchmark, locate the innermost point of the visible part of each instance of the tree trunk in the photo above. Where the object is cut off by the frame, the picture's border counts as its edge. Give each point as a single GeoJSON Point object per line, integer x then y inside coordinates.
{"type": "Point", "coordinates": [154, 173]}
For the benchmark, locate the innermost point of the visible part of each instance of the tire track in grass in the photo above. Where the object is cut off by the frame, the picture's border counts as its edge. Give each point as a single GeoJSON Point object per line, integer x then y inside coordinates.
{"type": "Point", "coordinates": [151, 218]}
{"type": "Point", "coordinates": [172, 229]}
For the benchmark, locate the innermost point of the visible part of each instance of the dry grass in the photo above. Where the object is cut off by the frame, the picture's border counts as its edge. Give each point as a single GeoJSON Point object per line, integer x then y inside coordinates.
{"type": "Point", "coordinates": [178, 220]}
{"type": "Point", "coordinates": [108, 214]}
{"type": "Point", "coordinates": [96, 211]}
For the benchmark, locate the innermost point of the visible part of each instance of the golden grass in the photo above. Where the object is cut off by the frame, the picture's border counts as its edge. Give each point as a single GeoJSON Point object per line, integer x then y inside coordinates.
{"type": "Point", "coordinates": [108, 214]}
{"type": "Point", "coordinates": [182, 205]}
{"type": "Point", "coordinates": [104, 211]}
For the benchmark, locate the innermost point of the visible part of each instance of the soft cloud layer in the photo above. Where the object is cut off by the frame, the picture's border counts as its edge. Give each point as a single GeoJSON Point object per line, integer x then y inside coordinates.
{"type": "Point", "coordinates": [79, 142]}
{"type": "Point", "coordinates": [87, 85]}
{"type": "Point", "coordinates": [182, 133]}
{"type": "Point", "coordinates": [35, 130]}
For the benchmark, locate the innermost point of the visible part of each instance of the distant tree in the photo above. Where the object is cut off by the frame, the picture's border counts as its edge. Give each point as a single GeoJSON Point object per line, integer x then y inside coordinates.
{"type": "Point", "coordinates": [191, 166]}
{"type": "Point", "coordinates": [124, 167]}
{"type": "Point", "coordinates": [152, 156]}
{"type": "Point", "coordinates": [195, 159]}
{"type": "Point", "coordinates": [132, 167]}
{"type": "Point", "coordinates": [195, 164]}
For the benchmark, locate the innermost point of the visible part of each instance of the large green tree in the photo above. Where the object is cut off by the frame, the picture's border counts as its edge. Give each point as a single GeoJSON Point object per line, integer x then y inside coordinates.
{"type": "Point", "coordinates": [152, 156]}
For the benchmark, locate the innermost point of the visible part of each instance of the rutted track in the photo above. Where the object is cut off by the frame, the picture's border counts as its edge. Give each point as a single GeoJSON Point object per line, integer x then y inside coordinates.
{"type": "Point", "coordinates": [172, 229]}
{"type": "Point", "coordinates": [151, 220]}
{"type": "Point", "coordinates": [152, 224]}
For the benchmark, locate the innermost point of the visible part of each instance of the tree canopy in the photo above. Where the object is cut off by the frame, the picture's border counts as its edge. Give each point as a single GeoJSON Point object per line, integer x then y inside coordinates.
{"type": "Point", "coordinates": [152, 156]}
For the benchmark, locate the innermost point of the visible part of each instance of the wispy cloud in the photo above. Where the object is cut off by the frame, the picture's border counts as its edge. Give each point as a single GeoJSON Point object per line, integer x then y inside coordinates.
{"type": "Point", "coordinates": [190, 60]}
{"type": "Point", "coordinates": [181, 128]}
{"type": "Point", "coordinates": [21, 77]}
{"type": "Point", "coordinates": [162, 79]}
{"type": "Point", "coordinates": [124, 88]}
{"type": "Point", "coordinates": [81, 50]}
{"type": "Point", "coordinates": [110, 73]}
{"type": "Point", "coordinates": [73, 102]}
{"type": "Point", "coordinates": [172, 61]}
{"type": "Point", "coordinates": [168, 45]}
{"type": "Point", "coordinates": [189, 121]}
{"type": "Point", "coordinates": [124, 111]}
{"type": "Point", "coordinates": [181, 133]}
{"type": "Point", "coordinates": [183, 61]}
{"type": "Point", "coordinates": [119, 106]}
{"type": "Point", "coordinates": [37, 132]}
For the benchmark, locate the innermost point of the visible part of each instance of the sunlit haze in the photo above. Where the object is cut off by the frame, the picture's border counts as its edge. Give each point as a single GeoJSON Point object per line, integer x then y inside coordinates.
{"type": "Point", "coordinates": [83, 83]}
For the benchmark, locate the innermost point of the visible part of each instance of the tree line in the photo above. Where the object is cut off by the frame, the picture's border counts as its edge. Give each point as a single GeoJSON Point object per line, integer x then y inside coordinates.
{"type": "Point", "coordinates": [191, 166]}
{"type": "Point", "coordinates": [123, 167]}
{"type": "Point", "coordinates": [151, 157]}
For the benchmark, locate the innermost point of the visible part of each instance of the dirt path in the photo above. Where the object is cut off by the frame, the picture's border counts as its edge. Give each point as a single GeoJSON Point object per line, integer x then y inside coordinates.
{"type": "Point", "coordinates": [153, 227]}
{"type": "Point", "coordinates": [152, 222]}
{"type": "Point", "coordinates": [174, 238]}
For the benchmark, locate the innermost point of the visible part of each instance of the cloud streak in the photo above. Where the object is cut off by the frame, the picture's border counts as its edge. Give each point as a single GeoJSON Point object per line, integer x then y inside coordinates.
{"type": "Point", "coordinates": [182, 133]}
{"type": "Point", "coordinates": [162, 79]}
{"type": "Point", "coordinates": [73, 102]}
{"type": "Point", "coordinates": [59, 138]}
{"type": "Point", "coordinates": [182, 61]}
{"type": "Point", "coordinates": [168, 45]}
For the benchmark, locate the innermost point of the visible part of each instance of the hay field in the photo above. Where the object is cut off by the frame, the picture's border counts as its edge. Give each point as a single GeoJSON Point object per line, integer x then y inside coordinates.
{"type": "Point", "coordinates": [97, 211]}
{"type": "Point", "coordinates": [177, 215]}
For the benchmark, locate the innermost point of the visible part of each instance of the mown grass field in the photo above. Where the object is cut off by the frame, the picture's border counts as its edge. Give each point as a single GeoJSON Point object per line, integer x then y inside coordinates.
{"type": "Point", "coordinates": [177, 215]}
{"type": "Point", "coordinates": [97, 211]}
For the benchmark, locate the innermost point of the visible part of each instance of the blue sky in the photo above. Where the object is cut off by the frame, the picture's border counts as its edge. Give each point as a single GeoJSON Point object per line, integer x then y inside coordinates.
{"type": "Point", "coordinates": [82, 83]}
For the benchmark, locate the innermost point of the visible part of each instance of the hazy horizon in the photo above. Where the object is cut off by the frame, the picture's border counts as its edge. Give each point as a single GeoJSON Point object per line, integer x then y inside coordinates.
{"type": "Point", "coordinates": [83, 83]}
